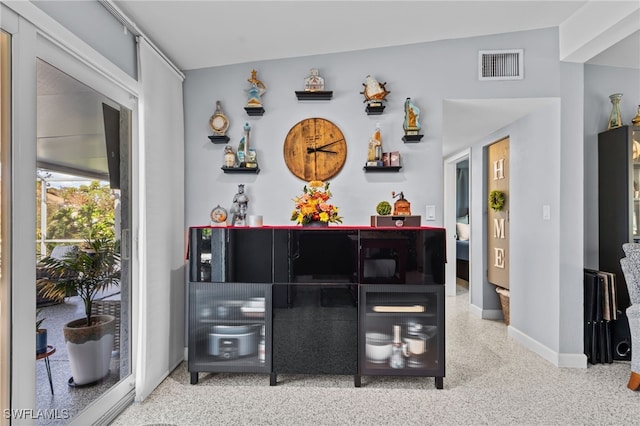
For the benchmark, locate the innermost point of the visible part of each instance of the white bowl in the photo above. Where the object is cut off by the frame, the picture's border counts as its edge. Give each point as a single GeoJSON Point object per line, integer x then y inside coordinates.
{"type": "Point", "coordinates": [378, 347]}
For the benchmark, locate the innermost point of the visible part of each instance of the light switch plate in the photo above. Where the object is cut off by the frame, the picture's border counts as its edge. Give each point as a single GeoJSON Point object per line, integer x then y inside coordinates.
{"type": "Point", "coordinates": [546, 212]}
{"type": "Point", "coordinates": [431, 213]}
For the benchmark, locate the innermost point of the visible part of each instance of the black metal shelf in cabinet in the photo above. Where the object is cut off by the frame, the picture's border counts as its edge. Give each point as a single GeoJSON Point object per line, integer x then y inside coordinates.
{"type": "Point", "coordinates": [382, 169]}
{"type": "Point", "coordinates": [319, 95]}
{"type": "Point", "coordinates": [255, 170]}
{"type": "Point", "coordinates": [422, 331]}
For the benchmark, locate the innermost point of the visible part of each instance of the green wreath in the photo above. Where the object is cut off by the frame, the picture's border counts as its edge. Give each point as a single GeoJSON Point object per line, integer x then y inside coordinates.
{"type": "Point", "coordinates": [496, 200]}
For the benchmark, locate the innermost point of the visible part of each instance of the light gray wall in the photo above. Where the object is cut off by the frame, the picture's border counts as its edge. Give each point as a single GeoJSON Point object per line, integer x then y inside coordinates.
{"type": "Point", "coordinates": [546, 276]}
{"type": "Point", "coordinates": [90, 21]}
{"type": "Point", "coordinates": [600, 82]}
{"type": "Point", "coordinates": [429, 73]}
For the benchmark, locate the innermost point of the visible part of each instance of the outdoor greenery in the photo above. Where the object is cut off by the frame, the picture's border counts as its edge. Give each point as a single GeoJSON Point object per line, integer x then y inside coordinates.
{"type": "Point", "coordinates": [77, 212]}
{"type": "Point", "coordinates": [85, 272]}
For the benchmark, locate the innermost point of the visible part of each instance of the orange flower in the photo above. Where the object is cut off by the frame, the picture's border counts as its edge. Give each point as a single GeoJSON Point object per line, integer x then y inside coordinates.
{"type": "Point", "coordinates": [312, 205]}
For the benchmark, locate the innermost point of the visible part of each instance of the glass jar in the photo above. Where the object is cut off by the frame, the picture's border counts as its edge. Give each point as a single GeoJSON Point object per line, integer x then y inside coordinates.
{"type": "Point", "coordinates": [615, 118]}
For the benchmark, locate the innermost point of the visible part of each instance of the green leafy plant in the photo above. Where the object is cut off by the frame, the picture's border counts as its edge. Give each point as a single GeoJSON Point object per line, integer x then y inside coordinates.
{"type": "Point", "coordinates": [39, 321]}
{"type": "Point", "coordinates": [85, 272]}
{"type": "Point", "coordinates": [496, 200]}
{"type": "Point", "coordinates": [383, 208]}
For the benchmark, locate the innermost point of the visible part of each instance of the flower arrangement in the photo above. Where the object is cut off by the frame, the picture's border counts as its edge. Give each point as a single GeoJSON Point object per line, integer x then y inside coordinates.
{"type": "Point", "coordinates": [313, 205]}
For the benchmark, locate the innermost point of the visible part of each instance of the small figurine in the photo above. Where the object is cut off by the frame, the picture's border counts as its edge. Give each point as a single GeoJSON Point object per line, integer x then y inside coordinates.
{"type": "Point", "coordinates": [239, 207]}
{"type": "Point", "coordinates": [402, 207]}
{"type": "Point", "coordinates": [256, 90]}
{"type": "Point", "coordinates": [243, 146]}
{"type": "Point", "coordinates": [229, 156]}
{"type": "Point", "coordinates": [313, 82]}
{"type": "Point", "coordinates": [411, 118]}
{"type": "Point", "coordinates": [374, 154]}
{"type": "Point", "coordinates": [374, 91]}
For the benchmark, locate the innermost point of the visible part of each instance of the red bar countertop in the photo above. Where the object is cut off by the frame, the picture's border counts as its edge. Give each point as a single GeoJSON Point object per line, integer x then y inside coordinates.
{"type": "Point", "coordinates": [337, 227]}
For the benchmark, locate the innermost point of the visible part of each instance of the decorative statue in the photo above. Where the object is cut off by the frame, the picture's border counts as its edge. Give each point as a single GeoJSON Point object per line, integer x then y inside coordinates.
{"type": "Point", "coordinates": [374, 91]}
{"type": "Point", "coordinates": [239, 207]}
{"type": "Point", "coordinates": [313, 82]}
{"type": "Point", "coordinates": [411, 118]}
{"type": "Point", "coordinates": [256, 90]}
{"type": "Point", "coordinates": [375, 146]}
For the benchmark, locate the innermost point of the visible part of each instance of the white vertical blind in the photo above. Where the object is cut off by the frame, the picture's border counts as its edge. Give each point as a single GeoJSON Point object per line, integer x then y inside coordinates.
{"type": "Point", "coordinates": [159, 333]}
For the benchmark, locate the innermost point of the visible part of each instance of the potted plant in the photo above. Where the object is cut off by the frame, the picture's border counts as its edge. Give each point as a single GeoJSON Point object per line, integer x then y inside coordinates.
{"type": "Point", "coordinates": [86, 272]}
{"type": "Point", "coordinates": [41, 334]}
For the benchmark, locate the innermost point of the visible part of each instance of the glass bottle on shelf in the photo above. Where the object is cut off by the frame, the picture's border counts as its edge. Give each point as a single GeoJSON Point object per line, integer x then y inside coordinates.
{"type": "Point", "coordinates": [398, 349]}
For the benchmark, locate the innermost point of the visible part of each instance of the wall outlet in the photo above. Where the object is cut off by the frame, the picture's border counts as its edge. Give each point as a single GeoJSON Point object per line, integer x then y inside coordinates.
{"type": "Point", "coordinates": [431, 213]}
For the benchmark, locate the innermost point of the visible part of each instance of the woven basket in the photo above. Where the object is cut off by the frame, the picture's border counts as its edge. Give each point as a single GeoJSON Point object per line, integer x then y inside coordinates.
{"type": "Point", "coordinates": [504, 302]}
{"type": "Point", "coordinates": [109, 307]}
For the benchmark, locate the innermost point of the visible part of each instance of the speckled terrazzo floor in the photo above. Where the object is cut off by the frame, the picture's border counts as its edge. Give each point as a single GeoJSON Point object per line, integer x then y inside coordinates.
{"type": "Point", "coordinates": [66, 399]}
{"type": "Point", "coordinates": [490, 380]}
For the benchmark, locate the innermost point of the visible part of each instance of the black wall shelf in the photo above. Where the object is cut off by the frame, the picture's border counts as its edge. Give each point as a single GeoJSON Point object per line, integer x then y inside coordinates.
{"type": "Point", "coordinates": [374, 110]}
{"type": "Point", "coordinates": [382, 169]}
{"type": "Point", "coordinates": [255, 170]}
{"type": "Point", "coordinates": [412, 138]}
{"type": "Point", "coordinates": [320, 95]}
{"type": "Point", "coordinates": [254, 111]}
{"type": "Point", "coordinates": [219, 139]}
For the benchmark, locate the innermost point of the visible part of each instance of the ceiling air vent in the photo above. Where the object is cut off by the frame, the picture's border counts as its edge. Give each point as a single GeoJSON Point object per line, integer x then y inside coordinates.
{"type": "Point", "coordinates": [501, 64]}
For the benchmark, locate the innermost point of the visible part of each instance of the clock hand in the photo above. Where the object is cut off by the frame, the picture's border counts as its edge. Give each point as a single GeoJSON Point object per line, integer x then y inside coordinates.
{"type": "Point", "coordinates": [311, 150]}
{"type": "Point", "coordinates": [330, 143]}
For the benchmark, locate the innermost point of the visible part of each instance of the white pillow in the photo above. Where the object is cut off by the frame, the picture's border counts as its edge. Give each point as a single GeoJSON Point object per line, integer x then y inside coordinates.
{"type": "Point", "coordinates": [462, 229]}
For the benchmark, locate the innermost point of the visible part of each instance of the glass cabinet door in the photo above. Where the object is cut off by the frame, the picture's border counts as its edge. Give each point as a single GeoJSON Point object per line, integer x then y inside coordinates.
{"type": "Point", "coordinates": [402, 330]}
{"type": "Point", "coordinates": [229, 328]}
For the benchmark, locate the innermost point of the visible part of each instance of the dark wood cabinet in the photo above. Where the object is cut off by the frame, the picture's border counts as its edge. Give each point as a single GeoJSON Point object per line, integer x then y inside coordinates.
{"type": "Point", "coordinates": [618, 200]}
{"type": "Point", "coordinates": [318, 286]}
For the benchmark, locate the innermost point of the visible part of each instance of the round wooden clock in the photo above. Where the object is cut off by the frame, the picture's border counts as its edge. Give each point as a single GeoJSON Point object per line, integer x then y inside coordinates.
{"type": "Point", "coordinates": [315, 149]}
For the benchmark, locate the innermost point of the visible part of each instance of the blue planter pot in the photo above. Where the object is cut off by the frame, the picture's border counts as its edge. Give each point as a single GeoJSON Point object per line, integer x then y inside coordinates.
{"type": "Point", "coordinates": [41, 341]}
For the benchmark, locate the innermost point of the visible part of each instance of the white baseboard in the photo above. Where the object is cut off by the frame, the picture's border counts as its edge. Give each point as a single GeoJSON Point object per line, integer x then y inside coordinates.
{"type": "Point", "coordinates": [570, 360]}
{"type": "Point", "coordinates": [489, 314]}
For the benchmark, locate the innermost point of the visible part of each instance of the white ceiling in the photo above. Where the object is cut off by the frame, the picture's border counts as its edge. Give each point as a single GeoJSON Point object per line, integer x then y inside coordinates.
{"type": "Point", "coordinates": [198, 34]}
